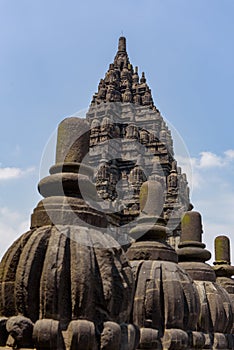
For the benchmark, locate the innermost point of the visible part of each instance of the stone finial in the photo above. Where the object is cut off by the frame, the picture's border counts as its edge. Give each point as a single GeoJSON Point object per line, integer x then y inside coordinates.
{"type": "Point", "coordinates": [150, 224]}
{"type": "Point", "coordinates": [191, 247]}
{"type": "Point", "coordinates": [191, 227]}
{"type": "Point", "coordinates": [174, 166]}
{"type": "Point", "coordinates": [172, 180]}
{"type": "Point", "coordinates": [70, 177]}
{"type": "Point", "coordinates": [122, 44]}
{"type": "Point", "coordinates": [143, 80]}
{"type": "Point", "coordinates": [157, 174]}
{"type": "Point", "coordinates": [135, 77]}
{"type": "Point", "coordinates": [222, 250]}
{"type": "Point", "coordinates": [222, 263]}
{"type": "Point", "coordinates": [152, 198]}
{"type": "Point", "coordinates": [72, 140]}
{"type": "Point", "coordinates": [111, 66]}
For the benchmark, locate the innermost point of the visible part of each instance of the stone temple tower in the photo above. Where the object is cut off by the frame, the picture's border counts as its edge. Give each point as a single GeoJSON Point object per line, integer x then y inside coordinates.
{"type": "Point", "coordinates": [97, 269]}
{"type": "Point", "coordinates": [131, 142]}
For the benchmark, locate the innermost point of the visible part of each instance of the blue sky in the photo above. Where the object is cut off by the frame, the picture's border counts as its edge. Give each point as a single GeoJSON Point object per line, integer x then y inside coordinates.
{"type": "Point", "coordinates": [53, 54]}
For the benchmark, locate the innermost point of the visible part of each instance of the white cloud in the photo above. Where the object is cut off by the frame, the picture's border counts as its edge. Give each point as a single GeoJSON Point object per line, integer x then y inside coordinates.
{"type": "Point", "coordinates": [210, 160]}
{"type": "Point", "coordinates": [12, 225]}
{"type": "Point", "coordinates": [10, 173]}
{"type": "Point", "coordinates": [198, 169]}
{"type": "Point", "coordinates": [229, 153]}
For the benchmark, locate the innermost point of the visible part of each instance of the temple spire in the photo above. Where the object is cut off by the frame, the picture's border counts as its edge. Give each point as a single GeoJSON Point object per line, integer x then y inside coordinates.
{"type": "Point", "coordinates": [122, 44]}
{"type": "Point", "coordinates": [121, 83]}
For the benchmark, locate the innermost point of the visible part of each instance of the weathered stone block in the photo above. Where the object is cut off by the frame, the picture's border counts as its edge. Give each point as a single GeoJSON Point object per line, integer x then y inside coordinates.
{"type": "Point", "coordinates": [111, 336]}
{"type": "Point", "coordinates": [130, 336]}
{"type": "Point", "coordinates": [81, 335]}
{"type": "Point", "coordinates": [149, 339]}
{"type": "Point", "coordinates": [21, 329]}
{"type": "Point", "coordinates": [175, 339]}
{"type": "Point", "coordinates": [47, 335]}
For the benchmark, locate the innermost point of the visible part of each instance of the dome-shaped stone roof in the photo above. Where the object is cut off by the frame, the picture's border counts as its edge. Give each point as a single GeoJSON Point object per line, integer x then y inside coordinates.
{"type": "Point", "coordinates": [65, 273]}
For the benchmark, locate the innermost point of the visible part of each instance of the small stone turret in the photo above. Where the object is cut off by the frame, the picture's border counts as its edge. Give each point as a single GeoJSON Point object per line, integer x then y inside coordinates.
{"type": "Point", "coordinates": [216, 319]}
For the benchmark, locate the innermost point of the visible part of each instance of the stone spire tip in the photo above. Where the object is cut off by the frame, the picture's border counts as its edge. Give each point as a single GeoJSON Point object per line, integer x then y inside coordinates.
{"type": "Point", "coordinates": [122, 44]}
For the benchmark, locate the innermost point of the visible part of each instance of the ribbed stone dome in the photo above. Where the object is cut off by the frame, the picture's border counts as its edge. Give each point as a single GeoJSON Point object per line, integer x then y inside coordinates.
{"type": "Point", "coordinates": [65, 273]}
{"type": "Point", "coordinates": [164, 292]}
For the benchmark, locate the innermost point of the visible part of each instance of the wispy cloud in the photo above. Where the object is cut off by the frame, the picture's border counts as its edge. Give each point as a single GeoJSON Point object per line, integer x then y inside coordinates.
{"type": "Point", "coordinates": [9, 173]}
{"type": "Point", "coordinates": [210, 160]}
{"type": "Point", "coordinates": [12, 225]}
{"type": "Point", "coordinates": [229, 153]}
{"type": "Point", "coordinates": [199, 169]}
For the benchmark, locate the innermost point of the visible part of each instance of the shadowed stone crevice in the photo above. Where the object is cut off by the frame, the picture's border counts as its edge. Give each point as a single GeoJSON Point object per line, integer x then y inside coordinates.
{"type": "Point", "coordinates": [29, 274]}
{"type": "Point", "coordinates": [8, 269]}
